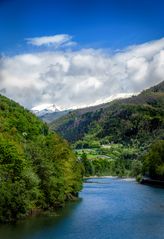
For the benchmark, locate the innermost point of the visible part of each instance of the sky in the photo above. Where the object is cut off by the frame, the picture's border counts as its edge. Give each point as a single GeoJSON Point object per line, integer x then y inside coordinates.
{"type": "Point", "coordinates": [75, 53]}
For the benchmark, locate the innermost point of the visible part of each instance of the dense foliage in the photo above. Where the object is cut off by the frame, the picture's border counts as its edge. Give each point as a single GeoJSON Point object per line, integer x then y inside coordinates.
{"type": "Point", "coordinates": [137, 120]}
{"type": "Point", "coordinates": [37, 168]}
{"type": "Point", "coordinates": [154, 161]}
{"type": "Point", "coordinates": [117, 160]}
{"type": "Point", "coordinates": [135, 123]}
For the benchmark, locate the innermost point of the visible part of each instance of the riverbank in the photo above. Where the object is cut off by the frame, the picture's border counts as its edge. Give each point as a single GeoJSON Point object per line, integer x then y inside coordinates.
{"type": "Point", "coordinates": [152, 182]}
{"type": "Point", "coordinates": [104, 206]}
{"type": "Point", "coordinates": [95, 176]}
{"type": "Point", "coordinates": [112, 177]}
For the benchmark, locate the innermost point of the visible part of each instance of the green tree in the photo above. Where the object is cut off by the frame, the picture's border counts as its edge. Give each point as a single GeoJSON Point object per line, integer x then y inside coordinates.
{"type": "Point", "coordinates": [154, 160]}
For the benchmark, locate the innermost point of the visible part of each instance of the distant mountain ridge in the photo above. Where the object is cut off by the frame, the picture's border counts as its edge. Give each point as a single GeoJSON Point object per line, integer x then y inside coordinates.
{"type": "Point", "coordinates": [49, 113]}
{"type": "Point", "coordinates": [123, 120]}
{"type": "Point", "coordinates": [40, 111]}
{"type": "Point", "coordinates": [48, 117]}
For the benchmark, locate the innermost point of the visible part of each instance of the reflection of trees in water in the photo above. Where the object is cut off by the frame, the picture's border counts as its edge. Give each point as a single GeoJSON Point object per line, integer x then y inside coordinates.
{"type": "Point", "coordinates": [35, 225]}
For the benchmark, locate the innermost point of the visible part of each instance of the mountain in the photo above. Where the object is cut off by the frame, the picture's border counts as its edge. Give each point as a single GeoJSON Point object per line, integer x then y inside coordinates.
{"type": "Point", "coordinates": [49, 112]}
{"type": "Point", "coordinates": [45, 109]}
{"type": "Point", "coordinates": [136, 119]}
{"type": "Point", "coordinates": [38, 170]}
{"type": "Point", "coordinates": [49, 117]}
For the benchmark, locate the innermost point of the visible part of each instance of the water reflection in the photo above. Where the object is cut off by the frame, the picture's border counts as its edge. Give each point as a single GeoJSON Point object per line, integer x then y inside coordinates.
{"type": "Point", "coordinates": [109, 209]}
{"type": "Point", "coordinates": [31, 226]}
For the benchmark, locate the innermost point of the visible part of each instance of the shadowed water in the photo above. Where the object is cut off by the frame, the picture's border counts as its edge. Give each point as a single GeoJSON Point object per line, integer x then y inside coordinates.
{"type": "Point", "coordinates": [108, 209]}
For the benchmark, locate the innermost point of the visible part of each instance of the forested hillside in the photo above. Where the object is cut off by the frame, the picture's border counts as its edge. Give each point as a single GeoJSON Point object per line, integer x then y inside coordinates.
{"type": "Point", "coordinates": [49, 117]}
{"type": "Point", "coordinates": [138, 119]}
{"type": "Point", "coordinates": [123, 137]}
{"type": "Point", "coordinates": [37, 168]}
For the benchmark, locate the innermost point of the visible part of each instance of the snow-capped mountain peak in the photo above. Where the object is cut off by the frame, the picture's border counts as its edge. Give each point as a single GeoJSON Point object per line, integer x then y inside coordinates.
{"type": "Point", "coordinates": [45, 109]}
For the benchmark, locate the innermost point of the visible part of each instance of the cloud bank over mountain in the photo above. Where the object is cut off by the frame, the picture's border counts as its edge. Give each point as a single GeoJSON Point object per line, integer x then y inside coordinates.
{"type": "Point", "coordinates": [76, 78]}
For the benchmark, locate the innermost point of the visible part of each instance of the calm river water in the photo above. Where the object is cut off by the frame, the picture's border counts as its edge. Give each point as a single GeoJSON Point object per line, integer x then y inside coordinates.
{"type": "Point", "coordinates": [107, 209]}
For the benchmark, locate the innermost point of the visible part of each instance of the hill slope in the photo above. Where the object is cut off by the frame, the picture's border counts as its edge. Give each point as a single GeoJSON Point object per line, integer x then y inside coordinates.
{"type": "Point", "coordinates": [49, 117]}
{"type": "Point", "coordinates": [138, 118]}
{"type": "Point", "coordinates": [37, 168]}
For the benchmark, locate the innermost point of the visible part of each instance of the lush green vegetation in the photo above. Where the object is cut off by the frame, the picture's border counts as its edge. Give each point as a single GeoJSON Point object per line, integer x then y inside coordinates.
{"type": "Point", "coordinates": [154, 161]}
{"type": "Point", "coordinates": [116, 160]}
{"type": "Point", "coordinates": [126, 128]}
{"type": "Point", "coordinates": [38, 170]}
{"type": "Point", "coordinates": [122, 161]}
{"type": "Point", "coordinates": [138, 120]}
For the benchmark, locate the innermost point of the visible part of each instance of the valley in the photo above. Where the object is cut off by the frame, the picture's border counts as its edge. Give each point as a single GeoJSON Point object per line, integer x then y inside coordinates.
{"type": "Point", "coordinates": [120, 137]}
{"type": "Point", "coordinates": [81, 119]}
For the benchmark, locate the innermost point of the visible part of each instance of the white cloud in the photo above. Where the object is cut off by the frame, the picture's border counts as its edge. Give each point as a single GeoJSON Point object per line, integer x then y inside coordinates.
{"type": "Point", "coordinates": [61, 40]}
{"type": "Point", "coordinates": [82, 77]}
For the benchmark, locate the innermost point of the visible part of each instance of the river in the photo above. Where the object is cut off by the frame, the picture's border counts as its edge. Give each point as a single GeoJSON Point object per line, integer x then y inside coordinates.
{"type": "Point", "coordinates": [107, 209]}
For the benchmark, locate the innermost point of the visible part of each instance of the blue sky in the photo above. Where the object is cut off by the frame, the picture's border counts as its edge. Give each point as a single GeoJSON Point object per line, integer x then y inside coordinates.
{"type": "Point", "coordinates": [93, 23]}
{"type": "Point", "coordinates": [75, 53]}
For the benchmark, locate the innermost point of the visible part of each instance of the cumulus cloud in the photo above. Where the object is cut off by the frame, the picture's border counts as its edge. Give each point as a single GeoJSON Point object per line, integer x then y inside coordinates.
{"type": "Point", "coordinates": [82, 77]}
{"type": "Point", "coordinates": [61, 40]}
